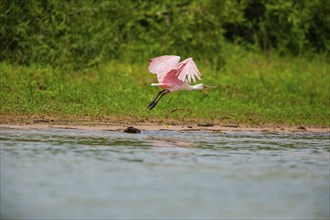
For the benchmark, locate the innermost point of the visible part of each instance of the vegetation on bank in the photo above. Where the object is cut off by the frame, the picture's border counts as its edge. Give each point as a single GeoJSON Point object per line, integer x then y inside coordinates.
{"type": "Point", "coordinates": [268, 59]}
{"type": "Point", "coordinates": [252, 88]}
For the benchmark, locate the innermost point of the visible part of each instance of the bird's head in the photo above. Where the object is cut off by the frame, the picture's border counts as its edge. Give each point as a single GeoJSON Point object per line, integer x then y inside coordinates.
{"type": "Point", "coordinates": [201, 87]}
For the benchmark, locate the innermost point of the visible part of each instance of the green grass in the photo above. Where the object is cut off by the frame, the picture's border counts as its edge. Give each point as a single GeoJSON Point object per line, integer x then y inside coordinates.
{"type": "Point", "coordinates": [252, 88]}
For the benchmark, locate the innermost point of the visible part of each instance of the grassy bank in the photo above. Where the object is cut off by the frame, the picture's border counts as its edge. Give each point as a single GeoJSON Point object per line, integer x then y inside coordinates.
{"type": "Point", "coordinates": [252, 88]}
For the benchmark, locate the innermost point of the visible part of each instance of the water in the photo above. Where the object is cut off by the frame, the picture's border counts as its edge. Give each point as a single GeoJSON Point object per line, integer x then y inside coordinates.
{"type": "Point", "coordinates": [66, 173]}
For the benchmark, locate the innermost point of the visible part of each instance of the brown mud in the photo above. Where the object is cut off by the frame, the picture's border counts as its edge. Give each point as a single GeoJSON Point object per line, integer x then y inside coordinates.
{"type": "Point", "coordinates": [121, 123]}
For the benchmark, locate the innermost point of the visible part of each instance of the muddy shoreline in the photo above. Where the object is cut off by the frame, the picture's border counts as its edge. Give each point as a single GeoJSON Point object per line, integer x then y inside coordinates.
{"type": "Point", "coordinates": [151, 127]}
{"type": "Point", "coordinates": [145, 127]}
{"type": "Point", "coordinates": [120, 124]}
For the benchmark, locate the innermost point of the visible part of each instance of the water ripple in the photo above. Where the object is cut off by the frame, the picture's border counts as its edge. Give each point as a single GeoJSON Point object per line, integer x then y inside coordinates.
{"type": "Point", "coordinates": [169, 174]}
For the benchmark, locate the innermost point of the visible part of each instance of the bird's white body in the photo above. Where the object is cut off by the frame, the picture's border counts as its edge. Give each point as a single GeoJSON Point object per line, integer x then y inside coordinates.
{"type": "Point", "coordinates": [184, 86]}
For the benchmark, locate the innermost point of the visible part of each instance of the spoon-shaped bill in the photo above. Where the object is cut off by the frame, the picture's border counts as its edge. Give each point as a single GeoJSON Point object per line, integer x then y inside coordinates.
{"type": "Point", "coordinates": [211, 87]}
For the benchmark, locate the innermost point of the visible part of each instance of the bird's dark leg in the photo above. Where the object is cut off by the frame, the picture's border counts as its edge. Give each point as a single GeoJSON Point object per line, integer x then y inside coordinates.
{"type": "Point", "coordinates": [156, 100]}
{"type": "Point", "coordinates": [151, 103]}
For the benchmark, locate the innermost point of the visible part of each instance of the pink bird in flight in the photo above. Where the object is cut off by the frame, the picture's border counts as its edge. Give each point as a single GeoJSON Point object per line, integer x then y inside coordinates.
{"type": "Point", "coordinates": [174, 75]}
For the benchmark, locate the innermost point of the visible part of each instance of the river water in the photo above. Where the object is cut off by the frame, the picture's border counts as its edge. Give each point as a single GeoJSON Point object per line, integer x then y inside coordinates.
{"type": "Point", "coordinates": [68, 173]}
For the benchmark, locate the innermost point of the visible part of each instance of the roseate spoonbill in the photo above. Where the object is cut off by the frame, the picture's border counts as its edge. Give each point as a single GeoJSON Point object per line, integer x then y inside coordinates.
{"type": "Point", "coordinates": [173, 76]}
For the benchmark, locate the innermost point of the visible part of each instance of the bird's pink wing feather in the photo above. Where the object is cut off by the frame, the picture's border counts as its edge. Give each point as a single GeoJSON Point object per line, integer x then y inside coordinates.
{"type": "Point", "coordinates": [163, 64]}
{"type": "Point", "coordinates": [188, 70]}
{"type": "Point", "coordinates": [171, 78]}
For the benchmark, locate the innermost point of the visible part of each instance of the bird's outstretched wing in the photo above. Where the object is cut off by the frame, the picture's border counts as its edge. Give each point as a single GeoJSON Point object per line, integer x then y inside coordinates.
{"type": "Point", "coordinates": [163, 64]}
{"type": "Point", "coordinates": [188, 70]}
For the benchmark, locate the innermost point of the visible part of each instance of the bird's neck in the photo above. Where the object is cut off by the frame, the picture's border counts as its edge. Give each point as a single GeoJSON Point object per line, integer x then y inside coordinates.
{"type": "Point", "coordinates": [196, 87]}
